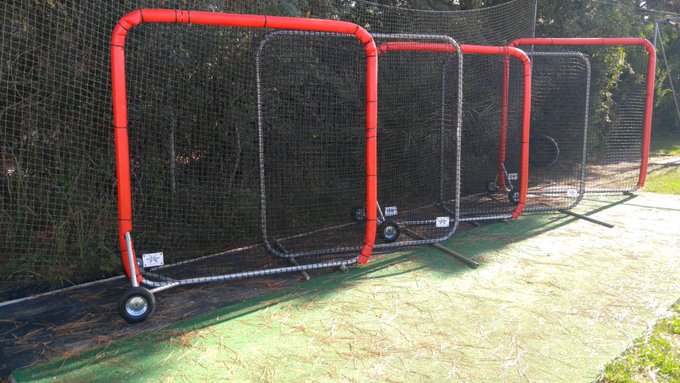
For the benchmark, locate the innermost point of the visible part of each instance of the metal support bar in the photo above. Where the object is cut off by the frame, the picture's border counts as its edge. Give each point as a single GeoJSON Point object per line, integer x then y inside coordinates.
{"type": "Point", "coordinates": [586, 218]}
{"type": "Point", "coordinates": [292, 260]}
{"type": "Point", "coordinates": [158, 276]}
{"type": "Point", "coordinates": [165, 287]}
{"type": "Point", "coordinates": [657, 33]}
{"type": "Point", "coordinates": [460, 257]}
{"type": "Point", "coordinates": [304, 273]}
{"type": "Point", "coordinates": [256, 273]}
{"type": "Point", "coordinates": [132, 267]}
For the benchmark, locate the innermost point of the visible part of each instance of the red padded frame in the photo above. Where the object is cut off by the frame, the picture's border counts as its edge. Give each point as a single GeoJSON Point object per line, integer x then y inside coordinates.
{"type": "Point", "coordinates": [120, 108]}
{"type": "Point", "coordinates": [526, 106]}
{"type": "Point", "coordinates": [651, 73]}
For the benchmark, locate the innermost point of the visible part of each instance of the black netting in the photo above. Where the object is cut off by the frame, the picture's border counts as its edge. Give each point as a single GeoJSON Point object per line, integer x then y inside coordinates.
{"type": "Point", "coordinates": [486, 190]}
{"type": "Point", "coordinates": [319, 208]}
{"type": "Point", "coordinates": [193, 141]}
{"type": "Point", "coordinates": [560, 85]}
{"type": "Point", "coordinates": [495, 25]}
{"type": "Point", "coordinates": [418, 164]}
{"type": "Point", "coordinates": [57, 187]}
{"type": "Point", "coordinates": [312, 89]}
{"type": "Point", "coordinates": [483, 76]}
{"type": "Point", "coordinates": [261, 135]}
{"type": "Point", "coordinates": [617, 106]}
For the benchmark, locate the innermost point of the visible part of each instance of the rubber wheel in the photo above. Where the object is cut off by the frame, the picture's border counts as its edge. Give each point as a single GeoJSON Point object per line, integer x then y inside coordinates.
{"type": "Point", "coordinates": [358, 214]}
{"type": "Point", "coordinates": [389, 231]}
{"type": "Point", "coordinates": [136, 304]}
{"type": "Point", "coordinates": [544, 151]}
{"type": "Point", "coordinates": [491, 186]}
{"type": "Point", "coordinates": [513, 197]}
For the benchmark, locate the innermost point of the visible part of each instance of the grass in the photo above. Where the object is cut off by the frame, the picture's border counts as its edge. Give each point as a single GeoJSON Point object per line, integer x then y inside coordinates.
{"type": "Point", "coordinates": [667, 143]}
{"type": "Point", "coordinates": [652, 358]}
{"type": "Point", "coordinates": [665, 181]}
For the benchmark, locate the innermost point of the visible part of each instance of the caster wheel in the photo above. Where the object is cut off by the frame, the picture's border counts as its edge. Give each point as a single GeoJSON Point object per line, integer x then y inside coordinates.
{"type": "Point", "coordinates": [491, 186]}
{"type": "Point", "coordinates": [513, 197]}
{"type": "Point", "coordinates": [358, 214]}
{"type": "Point", "coordinates": [389, 231]}
{"type": "Point", "coordinates": [136, 304]}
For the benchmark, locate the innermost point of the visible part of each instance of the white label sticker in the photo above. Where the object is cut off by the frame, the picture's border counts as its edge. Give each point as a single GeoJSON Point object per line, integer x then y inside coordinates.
{"type": "Point", "coordinates": [572, 193]}
{"type": "Point", "coordinates": [152, 260]}
{"type": "Point", "coordinates": [512, 176]}
{"type": "Point", "coordinates": [390, 211]}
{"type": "Point", "coordinates": [442, 221]}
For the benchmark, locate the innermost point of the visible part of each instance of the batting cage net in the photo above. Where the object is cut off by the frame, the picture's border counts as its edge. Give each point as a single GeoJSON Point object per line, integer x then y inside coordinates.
{"type": "Point", "coordinates": [494, 25]}
{"type": "Point", "coordinates": [57, 186]}
{"type": "Point", "coordinates": [418, 139]}
{"type": "Point", "coordinates": [560, 90]}
{"type": "Point", "coordinates": [621, 102]}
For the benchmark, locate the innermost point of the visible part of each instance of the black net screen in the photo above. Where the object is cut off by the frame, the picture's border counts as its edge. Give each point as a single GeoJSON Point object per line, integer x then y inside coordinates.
{"type": "Point", "coordinates": [495, 25]}
{"type": "Point", "coordinates": [559, 117]}
{"type": "Point", "coordinates": [418, 163]}
{"type": "Point", "coordinates": [193, 139]}
{"type": "Point", "coordinates": [312, 98]}
{"type": "Point", "coordinates": [263, 139]}
{"type": "Point", "coordinates": [57, 186]}
{"type": "Point", "coordinates": [489, 175]}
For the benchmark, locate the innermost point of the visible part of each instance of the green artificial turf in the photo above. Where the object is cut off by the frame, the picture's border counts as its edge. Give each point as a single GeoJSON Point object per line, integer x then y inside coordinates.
{"type": "Point", "coordinates": [554, 300]}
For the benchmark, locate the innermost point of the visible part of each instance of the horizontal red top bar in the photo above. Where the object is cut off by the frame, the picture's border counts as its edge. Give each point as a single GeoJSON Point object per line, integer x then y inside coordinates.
{"type": "Point", "coordinates": [584, 41]}
{"type": "Point", "coordinates": [442, 47]}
